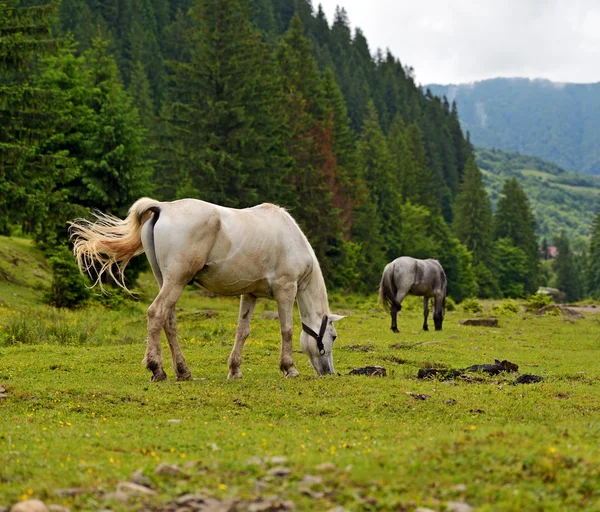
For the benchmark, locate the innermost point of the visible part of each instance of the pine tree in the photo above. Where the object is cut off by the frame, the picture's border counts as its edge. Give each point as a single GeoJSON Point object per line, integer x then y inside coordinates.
{"type": "Point", "coordinates": [316, 173]}
{"type": "Point", "coordinates": [514, 221]}
{"type": "Point", "coordinates": [384, 239]}
{"type": "Point", "coordinates": [593, 265]}
{"type": "Point", "coordinates": [568, 279]}
{"type": "Point", "coordinates": [473, 227]}
{"type": "Point", "coordinates": [224, 113]}
{"type": "Point", "coordinates": [30, 169]}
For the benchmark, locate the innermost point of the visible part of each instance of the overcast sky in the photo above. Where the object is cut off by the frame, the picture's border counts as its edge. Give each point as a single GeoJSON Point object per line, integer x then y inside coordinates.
{"type": "Point", "coordinates": [456, 41]}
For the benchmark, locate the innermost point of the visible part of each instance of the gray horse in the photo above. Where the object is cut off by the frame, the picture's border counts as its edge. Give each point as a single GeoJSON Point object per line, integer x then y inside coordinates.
{"type": "Point", "coordinates": [406, 275]}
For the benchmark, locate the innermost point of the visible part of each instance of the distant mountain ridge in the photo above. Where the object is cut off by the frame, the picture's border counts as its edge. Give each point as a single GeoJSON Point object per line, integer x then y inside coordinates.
{"type": "Point", "coordinates": [559, 122]}
{"type": "Point", "coordinates": [560, 200]}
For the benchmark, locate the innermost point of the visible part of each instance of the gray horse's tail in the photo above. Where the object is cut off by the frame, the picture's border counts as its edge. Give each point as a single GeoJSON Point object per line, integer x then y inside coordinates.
{"type": "Point", "coordinates": [110, 241]}
{"type": "Point", "coordinates": [387, 289]}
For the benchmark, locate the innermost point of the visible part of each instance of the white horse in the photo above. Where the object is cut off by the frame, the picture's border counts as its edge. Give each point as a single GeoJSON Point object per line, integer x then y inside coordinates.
{"type": "Point", "coordinates": [254, 252]}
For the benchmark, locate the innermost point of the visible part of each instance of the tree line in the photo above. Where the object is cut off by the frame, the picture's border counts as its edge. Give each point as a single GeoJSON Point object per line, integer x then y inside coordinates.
{"type": "Point", "coordinates": [239, 103]}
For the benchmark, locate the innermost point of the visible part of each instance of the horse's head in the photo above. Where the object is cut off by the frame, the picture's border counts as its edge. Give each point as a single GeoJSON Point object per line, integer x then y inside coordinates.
{"type": "Point", "coordinates": [319, 346]}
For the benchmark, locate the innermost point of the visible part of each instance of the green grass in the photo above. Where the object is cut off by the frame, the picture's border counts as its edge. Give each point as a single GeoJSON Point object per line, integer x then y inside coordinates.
{"type": "Point", "coordinates": [81, 412]}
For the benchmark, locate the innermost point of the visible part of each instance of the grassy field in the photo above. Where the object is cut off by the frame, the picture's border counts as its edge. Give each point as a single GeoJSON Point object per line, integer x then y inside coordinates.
{"type": "Point", "coordinates": [81, 416]}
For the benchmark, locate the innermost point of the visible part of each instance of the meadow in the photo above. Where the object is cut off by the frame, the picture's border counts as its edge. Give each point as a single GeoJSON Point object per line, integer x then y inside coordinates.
{"type": "Point", "coordinates": [80, 416]}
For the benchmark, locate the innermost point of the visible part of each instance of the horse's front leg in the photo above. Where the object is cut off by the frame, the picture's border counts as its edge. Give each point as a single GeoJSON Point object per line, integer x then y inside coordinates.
{"type": "Point", "coordinates": [179, 365]}
{"type": "Point", "coordinates": [157, 319]}
{"type": "Point", "coordinates": [425, 313]}
{"type": "Point", "coordinates": [247, 303]}
{"type": "Point", "coordinates": [285, 304]}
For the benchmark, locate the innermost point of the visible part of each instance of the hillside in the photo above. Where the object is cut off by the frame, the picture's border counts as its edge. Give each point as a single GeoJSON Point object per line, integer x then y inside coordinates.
{"type": "Point", "coordinates": [557, 122]}
{"type": "Point", "coordinates": [560, 200]}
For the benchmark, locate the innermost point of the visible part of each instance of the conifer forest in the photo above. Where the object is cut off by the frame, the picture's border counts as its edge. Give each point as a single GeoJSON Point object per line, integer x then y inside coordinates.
{"type": "Point", "coordinates": [241, 102]}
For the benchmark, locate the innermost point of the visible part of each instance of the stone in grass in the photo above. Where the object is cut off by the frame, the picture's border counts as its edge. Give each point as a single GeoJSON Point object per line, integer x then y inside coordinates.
{"type": "Point", "coordinates": [458, 506]}
{"type": "Point", "coordinates": [34, 505]}
{"type": "Point", "coordinates": [139, 478]}
{"type": "Point", "coordinates": [2, 389]}
{"type": "Point", "coordinates": [326, 467]}
{"type": "Point", "coordinates": [165, 469]}
{"type": "Point", "coordinates": [270, 504]}
{"type": "Point", "coordinates": [280, 472]}
{"type": "Point", "coordinates": [480, 322]}
{"type": "Point", "coordinates": [133, 489]}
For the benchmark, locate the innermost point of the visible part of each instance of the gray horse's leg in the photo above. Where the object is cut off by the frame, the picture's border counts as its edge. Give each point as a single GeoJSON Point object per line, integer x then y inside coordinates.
{"type": "Point", "coordinates": [285, 297]}
{"type": "Point", "coordinates": [425, 313]}
{"type": "Point", "coordinates": [157, 319]}
{"type": "Point", "coordinates": [179, 365]}
{"type": "Point", "coordinates": [247, 303]}
{"type": "Point", "coordinates": [394, 314]}
{"type": "Point", "coordinates": [397, 306]}
{"type": "Point", "coordinates": [438, 312]}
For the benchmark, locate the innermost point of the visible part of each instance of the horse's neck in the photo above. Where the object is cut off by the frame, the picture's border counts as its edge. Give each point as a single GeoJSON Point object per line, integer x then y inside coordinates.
{"type": "Point", "coordinates": [312, 300]}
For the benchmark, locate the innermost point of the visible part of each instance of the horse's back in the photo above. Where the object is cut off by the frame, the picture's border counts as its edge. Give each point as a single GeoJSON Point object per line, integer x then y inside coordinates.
{"type": "Point", "coordinates": [418, 277]}
{"type": "Point", "coordinates": [241, 250]}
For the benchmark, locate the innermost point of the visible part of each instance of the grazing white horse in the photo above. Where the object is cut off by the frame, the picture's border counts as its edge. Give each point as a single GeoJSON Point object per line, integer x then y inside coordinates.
{"type": "Point", "coordinates": [254, 252]}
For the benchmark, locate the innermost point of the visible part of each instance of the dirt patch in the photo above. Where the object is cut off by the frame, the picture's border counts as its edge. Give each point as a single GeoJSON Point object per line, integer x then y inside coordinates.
{"type": "Point", "coordinates": [480, 322]}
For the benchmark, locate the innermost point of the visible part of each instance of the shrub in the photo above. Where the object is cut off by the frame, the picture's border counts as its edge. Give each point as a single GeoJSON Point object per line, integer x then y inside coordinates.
{"type": "Point", "coordinates": [450, 304]}
{"type": "Point", "coordinates": [538, 300]}
{"type": "Point", "coordinates": [507, 306]}
{"type": "Point", "coordinates": [69, 288]}
{"type": "Point", "coordinates": [471, 305]}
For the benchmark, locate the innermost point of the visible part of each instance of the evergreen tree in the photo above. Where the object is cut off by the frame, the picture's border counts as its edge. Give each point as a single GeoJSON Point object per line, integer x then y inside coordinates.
{"type": "Point", "coordinates": [514, 221]}
{"type": "Point", "coordinates": [31, 171]}
{"type": "Point", "coordinates": [473, 227]}
{"type": "Point", "coordinates": [511, 267]}
{"type": "Point", "coordinates": [593, 265]}
{"type": "Point", "coordinates": [224, 115]}
{"type": "Point", "coordinates": [568, 279]}
{"type": "Point", "coordinates": [375, 161]}
{"type": "Point", "coordinates": [315, 171]}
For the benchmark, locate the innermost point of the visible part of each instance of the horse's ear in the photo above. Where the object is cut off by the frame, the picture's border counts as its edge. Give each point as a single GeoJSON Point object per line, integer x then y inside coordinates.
{"type": "Point", "coordinates": [335, 318]}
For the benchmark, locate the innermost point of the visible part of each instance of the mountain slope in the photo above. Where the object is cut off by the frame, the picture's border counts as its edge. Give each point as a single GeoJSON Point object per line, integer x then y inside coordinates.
{"type": "Point", "coordinates": [560, 200]}
{"type": "Point", "coordinates": [557, 122]}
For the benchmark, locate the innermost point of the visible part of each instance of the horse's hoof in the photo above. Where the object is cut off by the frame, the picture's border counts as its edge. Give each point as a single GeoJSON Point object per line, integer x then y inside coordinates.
{"type": "Point", "coordinates": [395, 331]}
{"type": "Point", "coordinates": [233, 376]}
{"type": "Point", "coordinates": [185, 376]}
{"type": "Point", "coordinates": [291, 373]}
{"type": "Point", "coordinates": [157, 377]}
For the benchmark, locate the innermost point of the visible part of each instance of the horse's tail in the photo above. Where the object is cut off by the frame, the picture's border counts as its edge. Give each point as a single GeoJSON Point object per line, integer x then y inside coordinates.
{"type": "Point", "coordinates": [109, 241]}
{"type": "Point", "coordinates": [387, 288]}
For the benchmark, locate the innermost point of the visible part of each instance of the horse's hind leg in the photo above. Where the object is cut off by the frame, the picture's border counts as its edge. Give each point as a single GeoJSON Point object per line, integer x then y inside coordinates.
{"type": "Point", "coordinates": [394, 314]}
{"type": "Point", "coordinates": [425, 313]}
{"type": "Point", "coordinates": [179, 365]}
{"type": "Point", "coordinates": [397, 306]}
{"type": "Point", "coordinates": [247, 303]}
{"type": "Point", "coordinates": [158, 313]}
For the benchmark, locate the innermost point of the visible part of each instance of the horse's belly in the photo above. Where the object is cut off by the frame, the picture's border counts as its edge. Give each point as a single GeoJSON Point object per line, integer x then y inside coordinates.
{"type": "Point", "coordinates": [230, 283]}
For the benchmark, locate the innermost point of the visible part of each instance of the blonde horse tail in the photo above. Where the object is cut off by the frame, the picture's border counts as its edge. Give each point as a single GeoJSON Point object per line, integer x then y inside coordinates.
{"type": "Point", "coordinates": [109, 243]}
{"type": "Point", "coordinates": [387, 291]}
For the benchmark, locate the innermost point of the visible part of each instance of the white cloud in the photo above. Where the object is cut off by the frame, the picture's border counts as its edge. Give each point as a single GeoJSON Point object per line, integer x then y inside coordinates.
{"type": "Point", "coordinates": [468, 40]}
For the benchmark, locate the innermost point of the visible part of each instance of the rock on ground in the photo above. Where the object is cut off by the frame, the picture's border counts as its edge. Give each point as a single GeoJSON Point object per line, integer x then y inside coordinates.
{"type": "Point", "coordinates": [30, 506]}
